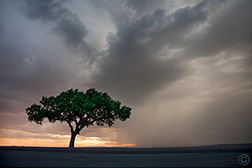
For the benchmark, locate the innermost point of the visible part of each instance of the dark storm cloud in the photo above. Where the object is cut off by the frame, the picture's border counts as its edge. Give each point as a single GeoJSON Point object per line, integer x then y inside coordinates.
{"type": "Point", "coordinates": [227, 32]}
{"type": "Point", "coordinates": [229, 28]}
{"type": "Point", "coordinates": [133, 68]}
{"type": "Point", "coordinates": [143, 7]}
{"type": "Point", "coordinates": [27, 69]}
{"type": "Point", "coordinates": [22, 68]}
{"type": "Point", "coordinates": [67, 23]}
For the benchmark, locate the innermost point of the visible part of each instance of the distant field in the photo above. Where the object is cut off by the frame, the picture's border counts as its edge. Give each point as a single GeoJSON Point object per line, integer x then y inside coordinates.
{"type": "Point", "coordinates": [205, 156]}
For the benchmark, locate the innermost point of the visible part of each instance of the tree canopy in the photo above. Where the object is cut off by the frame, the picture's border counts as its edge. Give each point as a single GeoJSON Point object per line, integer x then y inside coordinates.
{"type": "Point", "coordinates": [79, 109]}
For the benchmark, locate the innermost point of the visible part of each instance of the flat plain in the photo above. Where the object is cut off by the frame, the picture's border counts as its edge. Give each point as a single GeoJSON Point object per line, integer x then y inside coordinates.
{"type": "Point", "coordinates": [204, 156]}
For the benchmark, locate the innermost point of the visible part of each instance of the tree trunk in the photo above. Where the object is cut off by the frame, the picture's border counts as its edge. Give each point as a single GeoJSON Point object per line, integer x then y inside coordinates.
{"type": "Point", "coordinates": [71, 144]}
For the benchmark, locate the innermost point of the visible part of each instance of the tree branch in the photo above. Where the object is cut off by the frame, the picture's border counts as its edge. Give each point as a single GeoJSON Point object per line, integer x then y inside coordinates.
{"type": "Point", "coordinates": [71, 127]}
{"type": "Point", "coordinates": [76, 123]}
{"type": "Point", "coordinates": [86, 124]}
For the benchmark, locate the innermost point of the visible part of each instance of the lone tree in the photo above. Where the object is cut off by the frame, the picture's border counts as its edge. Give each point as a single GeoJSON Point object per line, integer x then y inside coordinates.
{"type": "Point", "coordinates": [79, 109]}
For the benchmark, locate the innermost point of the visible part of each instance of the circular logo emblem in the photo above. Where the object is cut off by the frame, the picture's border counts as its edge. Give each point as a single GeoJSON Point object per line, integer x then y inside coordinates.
{"type": "Point", "coordinates": [243, 159]}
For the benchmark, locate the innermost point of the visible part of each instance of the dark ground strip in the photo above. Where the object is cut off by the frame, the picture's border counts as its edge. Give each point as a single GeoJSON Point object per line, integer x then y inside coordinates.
{"type": "Point", "coordinates": [206, 156]}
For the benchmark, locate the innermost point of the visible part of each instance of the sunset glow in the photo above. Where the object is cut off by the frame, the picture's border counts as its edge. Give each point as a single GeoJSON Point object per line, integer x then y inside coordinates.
{"type": "Point", "coordinates": [21, 138]}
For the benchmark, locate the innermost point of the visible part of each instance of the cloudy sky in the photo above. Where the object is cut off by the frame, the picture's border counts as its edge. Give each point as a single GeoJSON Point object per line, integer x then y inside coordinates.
{"type": "Point", "coordinates": [185, 67]}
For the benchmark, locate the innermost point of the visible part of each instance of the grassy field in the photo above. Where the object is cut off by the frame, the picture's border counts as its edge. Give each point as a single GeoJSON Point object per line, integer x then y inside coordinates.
{"type": "Point", "coordinates": [204, 156]}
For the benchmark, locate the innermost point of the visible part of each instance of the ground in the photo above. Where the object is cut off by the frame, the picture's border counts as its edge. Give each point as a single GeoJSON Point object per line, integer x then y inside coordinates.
{"type": "Point", "coordinates": [205, 156]}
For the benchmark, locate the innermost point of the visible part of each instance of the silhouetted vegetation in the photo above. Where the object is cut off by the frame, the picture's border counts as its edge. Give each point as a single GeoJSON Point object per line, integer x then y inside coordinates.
{"type": "Point", "coordinates": [80, 109]}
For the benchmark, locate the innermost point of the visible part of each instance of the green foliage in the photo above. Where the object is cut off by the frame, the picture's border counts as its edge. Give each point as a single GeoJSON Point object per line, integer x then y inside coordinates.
{"type": "Point", "coordinates": [82, 108]}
